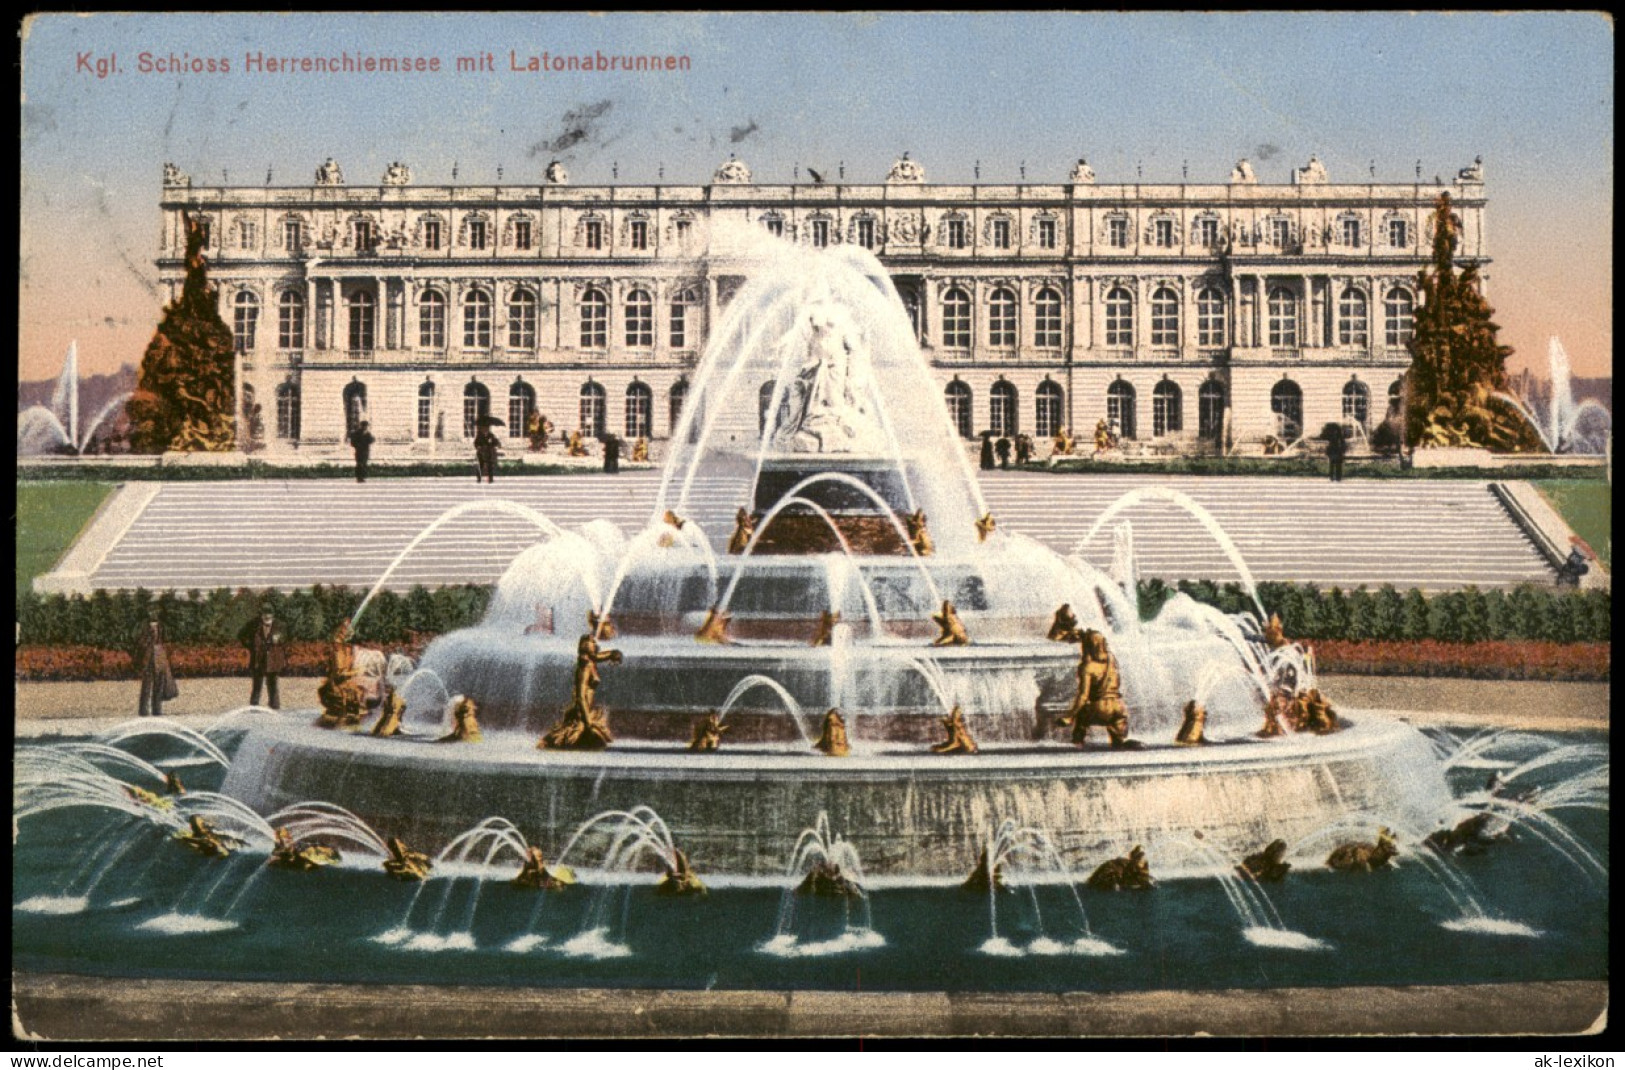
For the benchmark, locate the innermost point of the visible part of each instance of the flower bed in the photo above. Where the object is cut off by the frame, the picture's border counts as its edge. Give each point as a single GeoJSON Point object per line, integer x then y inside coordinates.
{"type": "Point", "coordinates": [1506, 660]}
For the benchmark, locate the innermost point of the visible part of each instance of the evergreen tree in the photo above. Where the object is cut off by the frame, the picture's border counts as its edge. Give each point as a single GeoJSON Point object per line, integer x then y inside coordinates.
{"type": "Point", "coordinates": [1457, 363]}
{"type": "Point", "coordinates": [186, 395]}
{"type": "Point", "coordinates": [1414, 618]}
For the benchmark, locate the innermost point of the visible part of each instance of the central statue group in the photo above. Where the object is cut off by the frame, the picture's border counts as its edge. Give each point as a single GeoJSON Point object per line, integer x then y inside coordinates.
{"type": "Point", "coordinates": [1099, 700]}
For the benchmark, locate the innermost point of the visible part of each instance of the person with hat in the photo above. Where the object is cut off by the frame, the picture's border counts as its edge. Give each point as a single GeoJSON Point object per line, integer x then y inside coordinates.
{"type": "Point", "coordinates": [267, 657]}
{"type": "Point", "coordinates": [486, 448]}
{"type": "Point", "coordinates": [152, 666]}
{"type": "Point", "coordinates": [361, 441]}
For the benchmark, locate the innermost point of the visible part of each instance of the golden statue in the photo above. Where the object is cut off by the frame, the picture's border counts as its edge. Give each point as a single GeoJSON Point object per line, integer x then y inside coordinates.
{"type": "Point", "coordinates": [959, 740]}
{"type": "Point", "coordinates": [201, 837]}
{"type": "Point", "coordinates": [285, 854]}
{"type": "Point", "coordinates": [950, 629]}
{"type": "Point", "coordinates": [1267, 865]}
{"type": "Point", "coordinates": [1319, 717]}
{"type": "Point", "coordinates": [1364, 857]}
{"type": "Point", "coordinates": [1063, 443]}
{"type": "Point", "coordinates": [1297, 712]}
{"type": "Point", "coordinates": [148, 798]}
{"type": "Point", "coordinates": [1274, 635]}
{"type": "Point", "coordinates": [405, 864]}
{"type": "Point", "coordinates": [1279, 706]}
{"type": "Point", "coordinates": [707, 733]}
{"type": "Point", "coordinates": [918, 536]}
{"type": "Point", "coordinates": [1100, 697]}
{"type": "Point", "coordinates": [680, 878]}
{"type": "Point", "coordinates": [600, 627]}
{"type": "Point", "coordinates": [1064, 628]}
{"type": "Point", "coordinates": [674, 520]}
{"type": "Point", "coordinates": [172, 784]}
{"type": "Point", "coordinates": [640, 450]}
{"type": "Point", "coordinates": [984, 526]}
{"type": "Point", "coordinates": [536, 873]}
{"type": "Point", "coordinates": [832, 741]}
{"type": "Point", "coordinates": [1131, 873]}
{"type": "Point", "coordinates": [465, 725]}
{"type": "Point", "coordinates": [985, 878]}
{"type": "Point", "coordinates": [714, 629]}
{"type": "Point", "coordinates": [393, 709]}
{"type": "Point", "coordinates": [744, 528]}
{"type": "Point", "coordinates": [343, 693]}
{"type": "Point", "coordinates": [584, 725]}
{"type": "Point", "coordinates": [575, 445]}
{"type": "Point", "coordinates": [1103, 436]}
{"type": "Point", "coordinates": [826, 880]}
{"type": "Point", "coordinates": [1190, 728]}
{"type": "Point", "coordinates": [826, 628]}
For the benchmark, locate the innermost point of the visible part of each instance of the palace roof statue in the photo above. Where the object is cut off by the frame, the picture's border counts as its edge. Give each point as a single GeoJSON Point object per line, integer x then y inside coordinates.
{"type": "Point", "coordinates": [733, 172]}
{"type": "Point", "coordinates": [556, 175]}
{"type": "Point", "coordinates": [1083, 174]}
{"type": "Point", "coordinates": [397, 174]}
{"type": "Point", "coordinates": [1473, 172]}
{"type": "Point", "coordinates": [330, 173]}
{"type": "Point", "coordinates": [1312, 173]}
{"type": "Point", "coordinates": [174, 177]}
{"type": "Point", "coordinates": [906, 170]}
{"type": "Point", "coordinates": [1243, 174]}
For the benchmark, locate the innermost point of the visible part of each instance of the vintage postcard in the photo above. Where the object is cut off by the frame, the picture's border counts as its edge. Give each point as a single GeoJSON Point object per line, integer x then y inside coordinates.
{"type": "Point", "coordinates": [813, 525]}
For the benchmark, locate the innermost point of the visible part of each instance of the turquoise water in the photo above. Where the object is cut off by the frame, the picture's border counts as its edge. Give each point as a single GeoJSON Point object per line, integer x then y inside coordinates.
{"type": "Point", "coordinates": [1543, 918]}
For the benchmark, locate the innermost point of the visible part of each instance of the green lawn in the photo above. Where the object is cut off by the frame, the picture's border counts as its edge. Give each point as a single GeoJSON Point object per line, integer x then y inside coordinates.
{"type": "Point", "coordinates": [49, 517]}
{"type": "Point", "coordinates": [1586, 504]}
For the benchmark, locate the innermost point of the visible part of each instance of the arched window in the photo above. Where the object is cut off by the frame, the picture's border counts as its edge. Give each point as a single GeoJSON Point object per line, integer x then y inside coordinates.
{"type": "Point", "coordinates": [592, 409]}
{"type": "Point", "coordinates": [287, 411]}
{"type": "Point", "coordinates": [522, 320]}
{"type": "Point", "coordinates": [476, 403]}
{"type": "Point", "coordinates": [426, 409]}
{"type": "Point", "coordinates": [355, 404]}
{"type": "Point", "coordinates": [955, 319]}
{"type": "Point", "coordinates": [1164, 318]}
{"type": "Point", "coordinates": [1286, 402]}
{"type": "Point", "coordinates": [363, 320]}
{"type": "Point", "coordinates": [1357, 404]}
{"type": "Point", "coordinates": [680, 303]}
{"type": "Point", "coordinates": [640, 320]}
{"type": "Point", "coordinates": [1353, 319]}
{"type": "Point", "coordinates": [594, 319]}
{"type": "Point", "coordinates": [639, 411]}
{"type": "Point", "coordinates": [1167, 409]}
{"type": "Point", "coordinates": [958, 396]}
{"type": "Point", "coordinates": [678, 398]}
{"type": "Point", "coordinates": [1119, 318]}
{"type": "Point", "coordinates": [1051, 406]}
{"type": "Point", "coordinates": [290, 321]}
{"type": "Point", "coordinates": [1001, 318]}
{"type": "Point", "coordinates": [1003, 407]}
{"type": "Point", "coordinates": [764, 401]}
{"type": "Point", "coordinates": [1399, 317]}
{"type": "Point", "coordinates": [1283, 325]}
{"type": "Point", "coordinates": [1047, 319]}
{"type": "Point", "coordinates": [1396, 397]}
{"type": "Point", "coordinates": [1120, 408]}
{"type": "Point", "coordinates": [432, 320]}
{"type": "Point", "coordinates": [245, 317]}
{"type": "Point", "coordinates": [521, 403]}
{"type": "Point", "coordinates": [477, 320]}
{"type": "Point", "coordinates": [1210, 325]}
{"type": "Point", "coordinates": [1210, 410]}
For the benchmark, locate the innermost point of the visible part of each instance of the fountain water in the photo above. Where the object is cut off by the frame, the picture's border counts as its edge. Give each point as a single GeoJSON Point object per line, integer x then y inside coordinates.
{"type": "Point", "coordinates": [1564, 424]}
{"type": "Point", "coordinates": [56, 427]}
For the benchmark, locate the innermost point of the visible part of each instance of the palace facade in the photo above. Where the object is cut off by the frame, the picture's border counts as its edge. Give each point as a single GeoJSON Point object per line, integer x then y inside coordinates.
{"type": "Point", "coordinates": [1192, 316]}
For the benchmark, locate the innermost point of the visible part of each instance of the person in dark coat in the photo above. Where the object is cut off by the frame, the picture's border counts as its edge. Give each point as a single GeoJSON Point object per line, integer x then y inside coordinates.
{"type": "Point", "coordinates": [267, 657]}
{"type": "Point", "coordinates": [361, 441]}
{"type": "Point", "coordinates": [152, 667]}
{"type": "Point", "coordinates": [1003, 449]}
{"type": "Point", "coordinates": [486, 448]}
{"type": "Point", "coordinates": [987, 451]}
{"type": "Point", "coordinates": [1024, 449]}
{"type": "Point", "coordinates": [1336, 449]}
{"type": "Point", "coordinates": [612, 454]}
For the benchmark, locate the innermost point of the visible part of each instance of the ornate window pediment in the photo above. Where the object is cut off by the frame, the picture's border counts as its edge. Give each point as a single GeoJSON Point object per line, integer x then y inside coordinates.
{"type": "Point", "coordinates": [1162, 230]}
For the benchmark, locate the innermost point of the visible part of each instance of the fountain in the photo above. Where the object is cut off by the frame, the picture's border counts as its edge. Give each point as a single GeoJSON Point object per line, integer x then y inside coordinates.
{"type": "Point", "coordinates": [1563, 424]}
{"type": "Point", "coordinates": [55, 428]}
{"type": "Point", "coordinates": [815, 412]}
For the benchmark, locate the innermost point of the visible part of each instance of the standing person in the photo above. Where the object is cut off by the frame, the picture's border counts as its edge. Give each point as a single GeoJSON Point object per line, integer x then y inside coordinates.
{"type": "Point", "coordinates": [1024, 449]}
{"type": "Point", "coordinates": [486, 448]}
{"type": "Point", "coordinates": [987, 451]}
{"type": "Point", "coordinates": [1336, 449]}
{"type": "Point", "coordinates": [361, 441]}
{"type": "Point", "coordinates": [267, 657]}
{"type": "Point", "coordinates": [612, 454]}
{"type": "Point", "coordinates": [1003, 450]}
{"type": "Point", "coordinates": [152, 666]}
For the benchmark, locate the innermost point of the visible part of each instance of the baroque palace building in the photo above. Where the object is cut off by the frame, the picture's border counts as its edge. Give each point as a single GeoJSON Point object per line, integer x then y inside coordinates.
{"type": "Point", "coordinates": [1193, 317]}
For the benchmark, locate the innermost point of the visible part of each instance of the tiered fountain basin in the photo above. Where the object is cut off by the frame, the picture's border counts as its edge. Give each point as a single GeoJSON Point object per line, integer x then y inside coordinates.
{"type": "Point", "coordinates": [908, 812]}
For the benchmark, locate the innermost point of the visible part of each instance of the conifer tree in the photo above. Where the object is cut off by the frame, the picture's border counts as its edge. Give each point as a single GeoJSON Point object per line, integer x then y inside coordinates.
{"type": "Point", "coordinates": [185, 398]}
{"type": "Point", "coordinates": [1457, 364]}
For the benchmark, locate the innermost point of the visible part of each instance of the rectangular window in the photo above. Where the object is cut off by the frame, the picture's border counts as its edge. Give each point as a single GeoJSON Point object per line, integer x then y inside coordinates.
{"type": "Point", "coordinates": [958, 234]}
{"type": "Point", "coordinates": [477, 233]}
{"type": "Point", "coordinates": [432, 324]}
{"type": "Point", "coordinates": [1399, 233]}
{"type": "Point", "coordinates": [425, 414]}
{"type": "Point", "coordinates": [640, 234]}
{"type": "Point", "coordinates": [1001, 234]}
{"type": "Point", "coordinates": [820, 233]}
{"type": "Point", "coordinates": [775, 227]}
{"type": "Point", "coordinates": [431, 234]}
{"type": "Point", "coordinates": [1046, 233]}
{"type": "Point", "coordinates": [477, 325]}
{"type": "Point", "coordinates": [1205, 232]}
{"type": "Point", "coordinates": [361, 231]}
{"type": "Point", "coordinates": [287, 412]}
{"type": "Point", "coordinates": [244, 318]}
{"type": "Point", "coordinates": [521, 234]}
{"type": "Point", "coordinates": [1162, 233]}
{"type": "Point", "coordinates": [1280, 233]}
{"type": "Point", "coordinates": [594, 232]}
{"type": "Point", "coordinates": [247, 235]}
{"type": "Point", "coordinates": [293, 237]}
{"type": "Point", "coordinates": [1117, 233]}
{"type": "Point", "coordinates": [290, 325]}
{"type": "Point", "coordinates": [522, 322]}
{"type": "Point", "coordinates": [679, 324]}
{"type": "Point", "coordinates": [685, 230]}
{"type": "Point", "coordinates": [640, 324]}
{"type": "Point", "coordinates": [1351, 233]}
{"type": "Point", "coordinates": [866, 233]}
{"type": "Point", "coordinates": [1209, 319]}
{"type": "Point", "coordinates": [1047, 324]}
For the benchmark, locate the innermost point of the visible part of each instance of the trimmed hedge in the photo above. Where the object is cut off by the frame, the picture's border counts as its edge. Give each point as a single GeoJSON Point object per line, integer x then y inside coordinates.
{"type": "Point", "coordinates": [534, 464]}
{"type": "Point", "coordinates": [1312, 467]}
{"type": "Point", "coordinates": [1466, 616]}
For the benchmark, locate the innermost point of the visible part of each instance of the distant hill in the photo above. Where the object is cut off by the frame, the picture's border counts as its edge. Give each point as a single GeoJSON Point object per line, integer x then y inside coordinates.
{"type": "Point", "coordinates": [94, 391]}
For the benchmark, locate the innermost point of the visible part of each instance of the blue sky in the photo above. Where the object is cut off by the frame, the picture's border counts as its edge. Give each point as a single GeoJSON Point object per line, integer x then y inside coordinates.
{"type": "Point", "coordinates": [1137, 94]}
